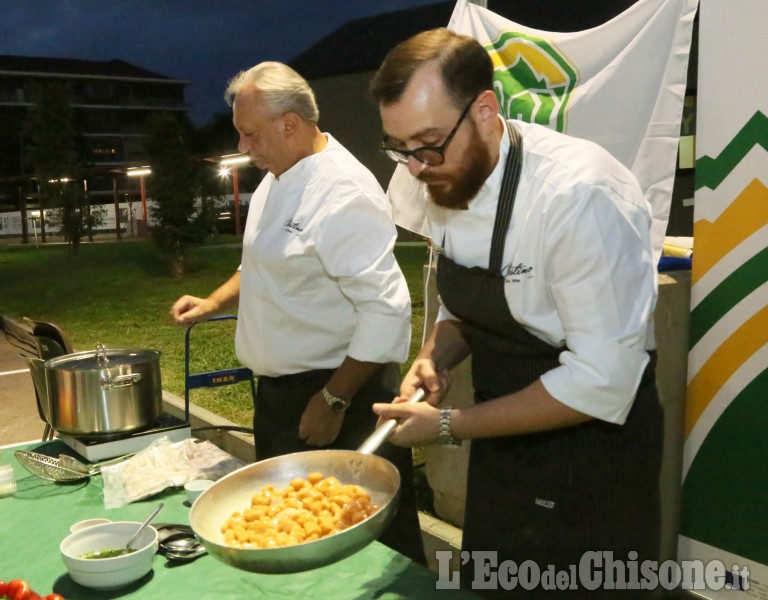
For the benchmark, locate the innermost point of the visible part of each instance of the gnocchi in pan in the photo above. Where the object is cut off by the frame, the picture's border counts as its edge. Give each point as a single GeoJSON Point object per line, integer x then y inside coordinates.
{"type": "Point", "coordinates": [306, 510]}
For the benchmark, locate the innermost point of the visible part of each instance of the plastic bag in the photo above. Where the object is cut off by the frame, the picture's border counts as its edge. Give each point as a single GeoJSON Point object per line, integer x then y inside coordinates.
{"type": "Point", "coordinates": [164, 464]}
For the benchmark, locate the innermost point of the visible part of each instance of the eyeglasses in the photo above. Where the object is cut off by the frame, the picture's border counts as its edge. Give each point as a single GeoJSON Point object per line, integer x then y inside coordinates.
{"type": "Point", "coordinates": [429, 155]}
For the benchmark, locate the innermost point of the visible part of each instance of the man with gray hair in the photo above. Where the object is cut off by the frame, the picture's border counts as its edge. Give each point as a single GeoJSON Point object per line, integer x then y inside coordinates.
{"type": "Point", "coordinates": [324, 310]}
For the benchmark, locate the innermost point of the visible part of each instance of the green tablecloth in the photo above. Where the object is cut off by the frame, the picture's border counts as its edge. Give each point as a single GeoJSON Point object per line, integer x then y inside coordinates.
{"type": "Point", "coordinates": [35, 520]}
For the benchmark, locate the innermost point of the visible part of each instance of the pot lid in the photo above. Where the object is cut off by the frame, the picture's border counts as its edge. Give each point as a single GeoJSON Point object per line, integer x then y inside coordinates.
{"type": "Point", "coordinates": [102, 358]}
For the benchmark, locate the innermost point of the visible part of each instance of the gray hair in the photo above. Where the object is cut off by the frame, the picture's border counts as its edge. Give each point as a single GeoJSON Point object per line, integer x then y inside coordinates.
{"type": "Point", "coordinates": [280, 88]}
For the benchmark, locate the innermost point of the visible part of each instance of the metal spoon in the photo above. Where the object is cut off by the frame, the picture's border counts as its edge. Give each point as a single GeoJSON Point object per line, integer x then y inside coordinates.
{"type": "Point", "coordinates": [71, 463]}
{"type": "Point", "coordinates": [167, 531]}
{"type": "Point", "coordinates": [182, 547]}
{"type": "Point", "coordinates": [141, 528]}
{"type": "Point", "coordinates": [186, 556]}
{"type": "Point", "coordinates": [181, 544]}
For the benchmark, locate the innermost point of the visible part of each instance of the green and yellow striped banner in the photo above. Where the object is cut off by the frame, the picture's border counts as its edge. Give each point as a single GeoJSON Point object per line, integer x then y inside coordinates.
{"type": "Point", "coordinates": [725, 479]}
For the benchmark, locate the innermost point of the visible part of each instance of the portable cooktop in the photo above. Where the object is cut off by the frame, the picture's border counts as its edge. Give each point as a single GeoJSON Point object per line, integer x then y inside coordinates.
{"type": "Point", "coordinates": [105, 447]}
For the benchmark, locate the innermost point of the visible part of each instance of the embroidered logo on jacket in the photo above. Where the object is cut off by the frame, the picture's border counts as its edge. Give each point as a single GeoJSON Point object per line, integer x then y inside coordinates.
{"type": "Point", "coordinates": [515, 273]}
{"type": "Point", "coordinates": [292, 226]}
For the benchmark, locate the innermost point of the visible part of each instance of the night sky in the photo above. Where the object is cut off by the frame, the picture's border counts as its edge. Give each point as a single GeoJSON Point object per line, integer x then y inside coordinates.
{"type": "Point", "coordinates": [206, 42]}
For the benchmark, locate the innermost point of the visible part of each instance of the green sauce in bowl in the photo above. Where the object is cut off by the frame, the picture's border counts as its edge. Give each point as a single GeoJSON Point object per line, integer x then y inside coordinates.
{"type": "Point", "coordinates": [110, 553]}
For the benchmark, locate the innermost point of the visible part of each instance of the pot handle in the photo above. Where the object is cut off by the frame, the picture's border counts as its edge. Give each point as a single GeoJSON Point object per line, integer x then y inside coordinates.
{"type": "Point", "coordinates": [37, 370]}
{"type": "Point", "coordinates": [101, 355]}
{"type": "Point", "coordinates": [110, 383]}
{"type": "Point", "coordinates": [382, 432]}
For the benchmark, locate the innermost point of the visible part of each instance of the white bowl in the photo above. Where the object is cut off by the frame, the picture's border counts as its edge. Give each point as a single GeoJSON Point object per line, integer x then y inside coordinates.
{"type": "Point", "coordinates": [108, 573]}
{"type": "Point", "coordinates": [196, 487]}
{"type": "Point", "coordinates": [87, 523]}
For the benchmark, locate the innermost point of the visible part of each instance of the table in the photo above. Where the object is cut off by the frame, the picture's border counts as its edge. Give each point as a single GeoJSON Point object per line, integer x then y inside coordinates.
{"type": "Point", "coordinates": [35, 520]}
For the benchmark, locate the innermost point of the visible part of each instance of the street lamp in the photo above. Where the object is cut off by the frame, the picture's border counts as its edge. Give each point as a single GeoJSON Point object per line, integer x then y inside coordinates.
{"type": "Point", "coordinates": [34, 215]}
{"type": "Point", "coordinates": [233, 161]}
{"type": "Point", "coordinates": [141, 172]}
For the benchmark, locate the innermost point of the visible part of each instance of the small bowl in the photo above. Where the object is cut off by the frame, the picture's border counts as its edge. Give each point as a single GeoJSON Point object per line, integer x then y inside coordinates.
{"type": "Point", "coordinates": [87, 523]}
{"type": "Point", "coordinates": [7, 481]}
{"type": "Point", "coordinates": [108, 573]}
{"type": "Point", "coordinates": [195, 488]}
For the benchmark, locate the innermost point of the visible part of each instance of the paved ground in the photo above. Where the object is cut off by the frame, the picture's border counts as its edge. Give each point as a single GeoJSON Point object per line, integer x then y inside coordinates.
{"type": "Point", "coordinates": [19, 419]}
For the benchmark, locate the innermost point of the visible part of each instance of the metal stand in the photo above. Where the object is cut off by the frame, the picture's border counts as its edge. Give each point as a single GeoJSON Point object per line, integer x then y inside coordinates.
{"type": "Point", "coordinates": [214, 378]}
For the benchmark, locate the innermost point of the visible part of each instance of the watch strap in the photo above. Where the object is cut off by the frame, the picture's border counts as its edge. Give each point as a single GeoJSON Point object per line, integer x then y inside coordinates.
{"type": "Point", "coordinates": [334, 402]}
{"type": "Point", "coordinates": [445, 437]}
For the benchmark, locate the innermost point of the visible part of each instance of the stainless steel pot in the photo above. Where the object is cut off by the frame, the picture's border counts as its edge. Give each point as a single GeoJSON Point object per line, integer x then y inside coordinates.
{"type": "Point", "coordinates": [233, 493]}
{"type": "Point", "coordinates": [99, 393]}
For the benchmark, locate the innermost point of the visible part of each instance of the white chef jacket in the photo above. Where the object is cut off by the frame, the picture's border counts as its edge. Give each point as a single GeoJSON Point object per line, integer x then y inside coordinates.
{"type": "Point", "coordinates": [577, 263]}
{"type": "Point", "coordinates": [318, 279]}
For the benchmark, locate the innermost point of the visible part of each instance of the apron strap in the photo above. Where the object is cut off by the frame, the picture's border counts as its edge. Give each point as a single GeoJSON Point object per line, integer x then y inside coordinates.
{"type": "Point", "coordinates": [506, 198]}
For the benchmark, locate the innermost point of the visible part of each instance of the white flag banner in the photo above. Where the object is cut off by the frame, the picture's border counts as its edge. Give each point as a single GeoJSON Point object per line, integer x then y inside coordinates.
{"type": "Point", "coordinates": [621, 84]}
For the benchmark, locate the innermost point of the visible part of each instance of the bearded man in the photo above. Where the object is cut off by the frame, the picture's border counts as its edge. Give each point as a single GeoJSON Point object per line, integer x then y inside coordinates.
{"type": "Point", "coordinates": [546, 279]}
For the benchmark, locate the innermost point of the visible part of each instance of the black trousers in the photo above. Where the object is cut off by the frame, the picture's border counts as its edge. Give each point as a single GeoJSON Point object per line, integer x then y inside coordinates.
{"type": "Point", "coordinates": [280, 402]}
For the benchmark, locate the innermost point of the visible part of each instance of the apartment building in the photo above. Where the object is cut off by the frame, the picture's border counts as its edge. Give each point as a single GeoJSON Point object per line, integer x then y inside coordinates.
{"type": "Point", "coordinates": [111, 101]}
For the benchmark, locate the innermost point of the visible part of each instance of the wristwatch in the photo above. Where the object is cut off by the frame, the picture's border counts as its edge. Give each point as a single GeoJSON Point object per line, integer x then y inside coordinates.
{"type": "Point", "coordinates": [334, 402]}
{"type": "Point", "coordinates": [445, 437]}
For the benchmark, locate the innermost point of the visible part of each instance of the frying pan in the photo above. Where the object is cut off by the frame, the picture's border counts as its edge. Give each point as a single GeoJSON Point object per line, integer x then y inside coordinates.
{"type": "Point", "coordinates": [233, 493]}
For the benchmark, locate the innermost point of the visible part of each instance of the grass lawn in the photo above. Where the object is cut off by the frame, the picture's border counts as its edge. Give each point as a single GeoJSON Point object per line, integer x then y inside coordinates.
{"type": "Point", "coordinates": [119, 294]}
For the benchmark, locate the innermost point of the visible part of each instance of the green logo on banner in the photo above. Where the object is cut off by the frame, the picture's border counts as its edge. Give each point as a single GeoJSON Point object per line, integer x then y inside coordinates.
{"type": "Point", "coordinates": [533, 81]}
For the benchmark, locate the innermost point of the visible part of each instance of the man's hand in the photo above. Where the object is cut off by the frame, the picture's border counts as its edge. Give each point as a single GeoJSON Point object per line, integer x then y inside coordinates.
{"type": "Point", "coordinates": [320, 425]}
{"type": "Point", "coordinates": [190, 309]}
{"type": "Point", "coordinates": [424, 374]}
{"type": "Point", "coordinates": [418, 423]}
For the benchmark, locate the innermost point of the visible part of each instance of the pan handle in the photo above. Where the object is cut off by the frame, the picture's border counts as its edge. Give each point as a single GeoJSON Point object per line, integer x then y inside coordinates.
{"type": "Point", "coordinates": [382, 432]}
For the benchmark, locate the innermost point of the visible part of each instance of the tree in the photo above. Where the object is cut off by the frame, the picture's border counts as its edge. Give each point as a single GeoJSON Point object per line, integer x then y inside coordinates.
{"type": "Point", "coordinates": [51, 150]}
{"type": "Point", "coordinates": [73, 219]}
{"type": "Point", "coordinates": [180, 222]}
{"type": "Point", "coordinates": [217, 136]}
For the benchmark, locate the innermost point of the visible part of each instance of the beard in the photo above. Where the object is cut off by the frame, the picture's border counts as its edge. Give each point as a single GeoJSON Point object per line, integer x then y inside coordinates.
{"type": "Point", "coordinates": [454, 190]}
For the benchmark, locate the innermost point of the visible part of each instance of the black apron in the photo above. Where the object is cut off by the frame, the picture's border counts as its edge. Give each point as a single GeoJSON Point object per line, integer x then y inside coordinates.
{"type": "Point", "coordinates": [547, 497]}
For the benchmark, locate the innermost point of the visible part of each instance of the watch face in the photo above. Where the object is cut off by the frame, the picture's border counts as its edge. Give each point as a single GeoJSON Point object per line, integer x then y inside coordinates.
{"type": "Point", "coordinates": [337, 404]}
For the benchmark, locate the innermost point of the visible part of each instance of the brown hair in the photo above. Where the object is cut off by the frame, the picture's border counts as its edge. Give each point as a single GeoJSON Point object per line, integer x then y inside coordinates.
{"type": "Point", "coordinates": [464, 64]}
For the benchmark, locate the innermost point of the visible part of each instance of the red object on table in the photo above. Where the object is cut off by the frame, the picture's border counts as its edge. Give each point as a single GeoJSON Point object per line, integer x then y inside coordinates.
{"type": "Point", "coordinates": [18, 589]}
